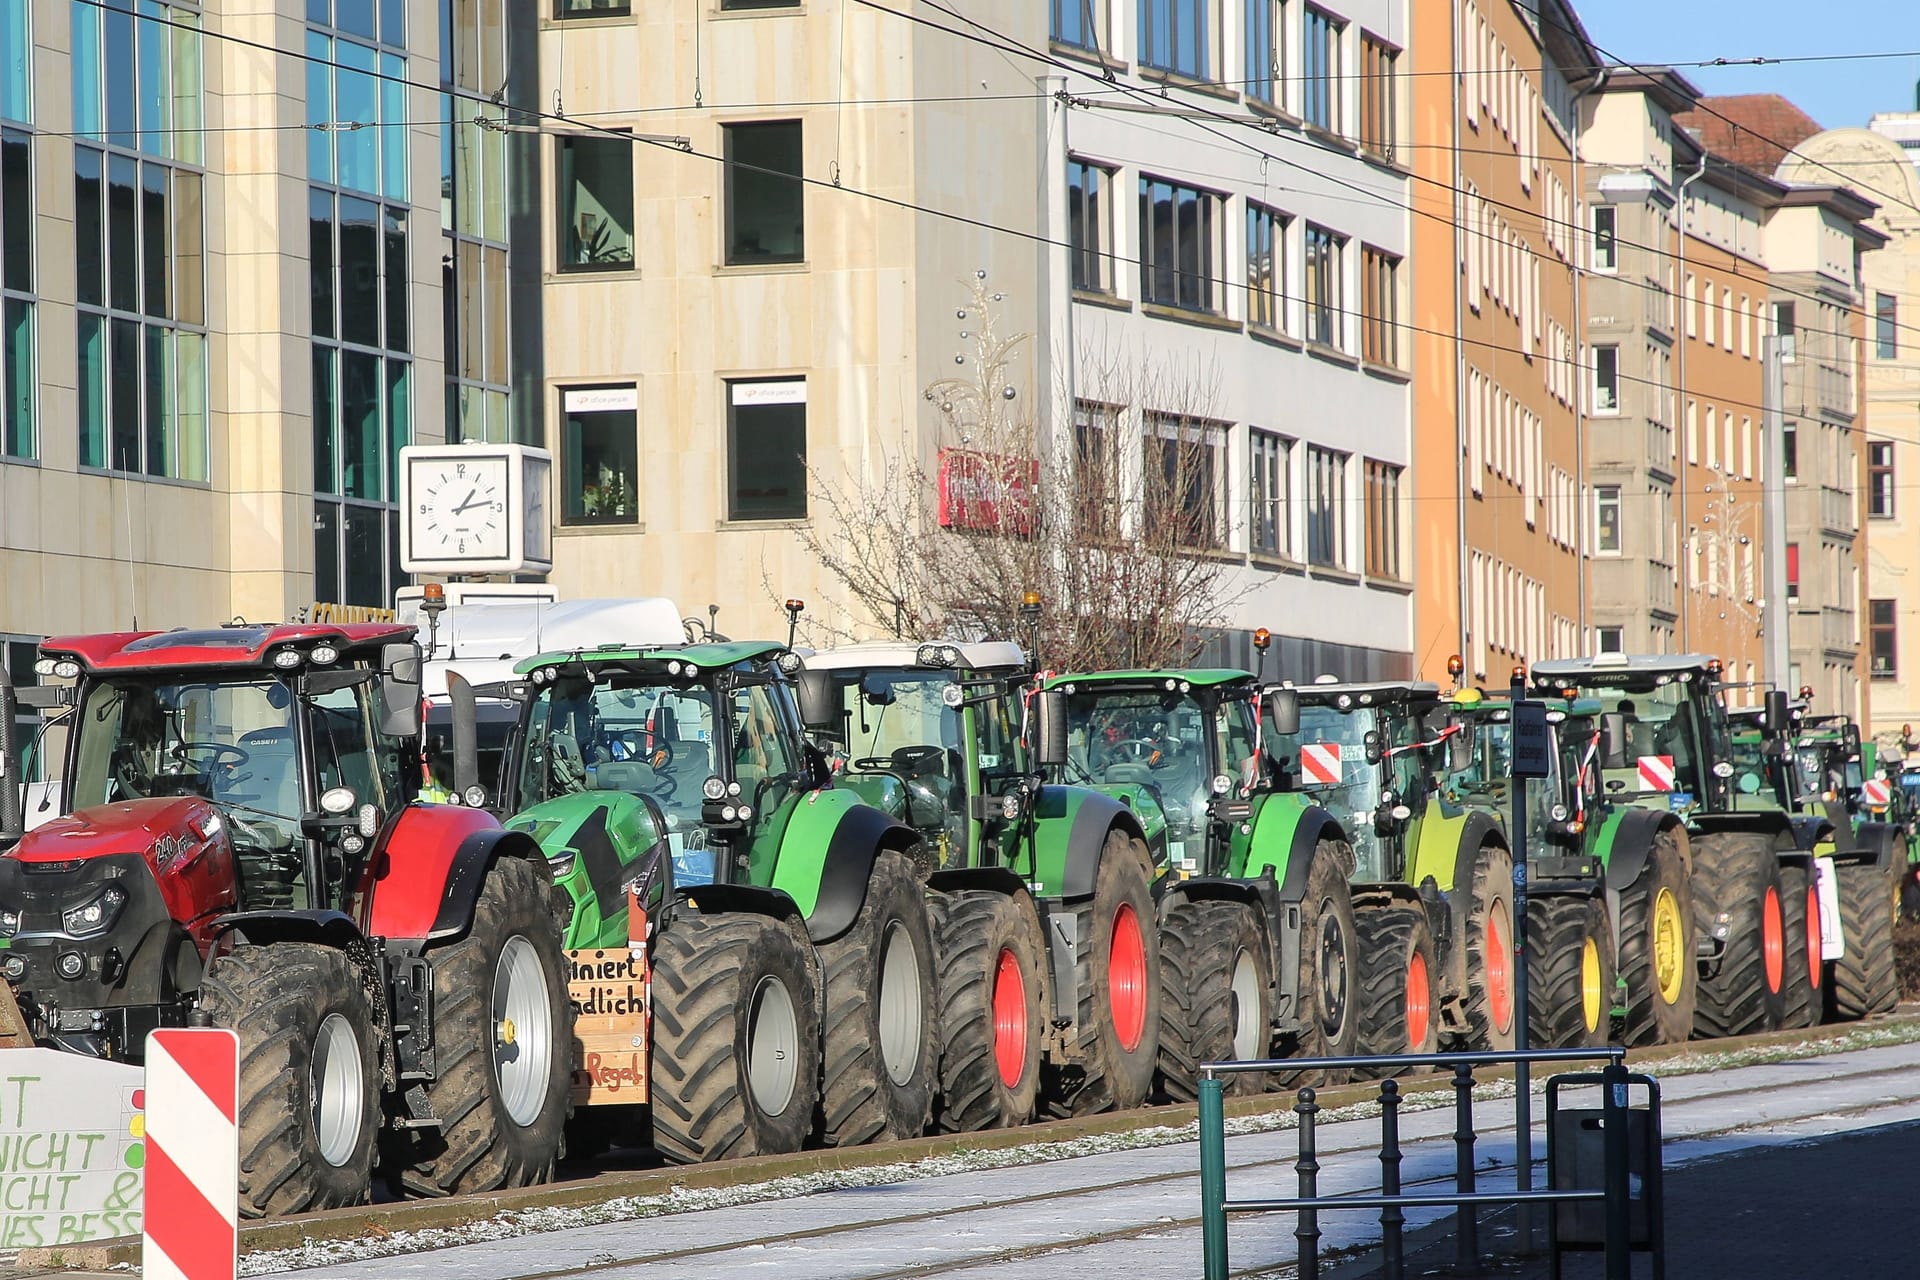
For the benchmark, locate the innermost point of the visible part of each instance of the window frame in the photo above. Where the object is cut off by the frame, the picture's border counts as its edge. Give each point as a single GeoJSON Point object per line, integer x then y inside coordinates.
{"type": "Point", "coordinates": [1880, 486]}
{"type": "Point", "coordinates": [1604, 352]}
{"type": "Point", "coordinates": [1326, 508]}
{"type": "Point", "coordinates": [735, 514]}
{"type": "Point", "coordinates": [1270, 493]}
{"type": "Point", "coordinates": [1607, 497]}
{"type": "Point", "coordinates": [1322, 35]}
{"type": "Point", "coordinates": [1324, 251]}
{"type": "Point", "coordinates": [1379, 130]}
{"type": "Point", "coordinates": [565, 216]}
{"type": "Point", "coordinates": [565, 476]}
{"type": "Point", "coordinates": [1189, 437]}
{"type": "Point", "coordinates": [1094, 42]}
{"type": "Point", "coordinates": [1384, 524]}
{"type": "Point", "coordinates": [730, 131]}
{"type": "Point", "coordinates": [1100, 255]}
{"type": "Point", "coordinates": [591, 10]}
{"type": "Point", "coordinates": [1606, 239]}
{"type": "Point", "coordinates": [1268, 306]}
{"type": "Point", "coordinates": [1883, 629]}
{"type": "Point", "coordinates": [1210, 241]}
{"type": "Point", "coordinates": [1264, 80]}
{"type": "Point", "coordinates": [1203, 30]}
{"type": "Point", "coordinates": [1886, 326]}
{"type": "Point", "coordinates": [19, 394]}
{"type": "Point", "coordinates": [1380, 293]}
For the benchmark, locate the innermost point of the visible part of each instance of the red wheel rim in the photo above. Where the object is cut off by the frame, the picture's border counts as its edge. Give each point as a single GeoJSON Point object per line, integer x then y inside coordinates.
{"type": "Point", "coordinates": [1813, 937]}
{"type": "Point", "coordinates": [1499, 973]}
{"type": "Point", "coordinates": [1773, 939]}
{"type": "Point", "coordinates": [1127, 978]}
{"type": "Point", "coordinates": [1009, 1018]}
{"type": "Point", "coordinates": [1419, 1003]}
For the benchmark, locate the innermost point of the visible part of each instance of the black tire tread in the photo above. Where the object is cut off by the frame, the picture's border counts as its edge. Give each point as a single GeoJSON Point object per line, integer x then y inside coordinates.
{"type": "Point", "coordinates": [1558, 927]}
{"type": "Point", "coordinates": [1864, 981]}
{"type": "Point", "coordinates": [1731, 873]}
{"type": "Point", "coordinates": [1491, 889]}
{"type": "Point", "coordinates": [1103, 1076]}
{"type": "Point", "coordinates": [1387, 939]}
{"type": "Point", "coordinates": [1199, 943]}
{"type": "Point", "coordinates": [1648, 1019]}
{"type": "Point", "coordinates": [970, 927]}
{"type": "Point", "coordinates": [1802, 1006]}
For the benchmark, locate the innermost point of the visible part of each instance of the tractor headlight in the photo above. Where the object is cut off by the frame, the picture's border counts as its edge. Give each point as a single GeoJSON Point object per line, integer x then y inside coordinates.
{"type": "Point", "coordinates": [1010, 806]}
{"type": "Point", "coordinates": [927, 655]}
{"type": "Point", "coordinates": [44, 667]}
{"type": "Point", "coordinates": [324, 654]}
{"type": "Point", "coordinates": [475, 796]}
{"type": "Point", "coordinates": [96, 915]}
{"type": "Point", "coordinates": [67, 669]}
{"type": "Point", "coordinates": [561, 864]}
{"type": "Point", "coordinates": [746, 813]}
{"type": "Point", "coordinates": [713, 789]}
{"type": "Point", "coordinates": [9, 923]}
{"type": "Point", "coordinates": [15, 968]}
{"type": "Point", "coordinates": [287, 659]}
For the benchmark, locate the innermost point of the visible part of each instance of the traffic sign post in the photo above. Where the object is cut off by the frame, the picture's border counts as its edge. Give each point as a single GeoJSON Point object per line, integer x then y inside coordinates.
{"type": "Point", "coordinates": [1531, 745]}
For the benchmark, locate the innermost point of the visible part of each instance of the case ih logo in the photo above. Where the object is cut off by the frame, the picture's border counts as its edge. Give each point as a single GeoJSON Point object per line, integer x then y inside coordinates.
{"type": "Point", "coordinates": [1656, 773]}
{"type": "Point", "coordinates": [1320, 763]}
{"type": "Point", "coordinates": [986, 493]}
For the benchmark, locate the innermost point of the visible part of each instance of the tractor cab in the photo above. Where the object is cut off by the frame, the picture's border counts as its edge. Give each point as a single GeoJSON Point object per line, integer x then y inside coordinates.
{"type": "Point", "coordinates": [929, 734]}
{"type": "Point", "coordinates": [1561, 806]}
{"type": "Point", "coordinates": [1827, 758]}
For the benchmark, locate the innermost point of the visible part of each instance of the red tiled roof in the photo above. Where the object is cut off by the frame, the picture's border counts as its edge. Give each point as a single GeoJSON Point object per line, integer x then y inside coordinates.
{"type": "Point", "coordinates": [1750, 129]}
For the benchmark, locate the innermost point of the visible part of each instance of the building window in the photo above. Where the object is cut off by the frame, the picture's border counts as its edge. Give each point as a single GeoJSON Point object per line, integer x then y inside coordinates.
{"type": "Point", "coordinates": [1325, 309]}
{"type": "Point", "coordinates": [1096, 477]}
{"type": "Point", "coordinates": [16, 61]}
{"type": "Point", "coordinates": [1783, 329]}
{"type": "Point", "coordinates": [1266, 51]}
{"type": "Point", "coordinates": [1379, 307]}
{"type": "Point", "coordinates": [1793, 571]}
{"type": "Point", "coordinates": [1606, 381]}
{"type": "Point", "coordinates": [1605, 248]}
{"type": "Point", "coordinates": [1185, 477]}
{"type": "Point", "coordinates": [1379, 97]}
{"type": "Point", "coordinates": [1383, 520]}
{"type": "Point", "coordinates": [1181, 231]}
{"type": "Point", "coordinates": [480, 168]}
{"type": "Point", "coordinates": [1880, 478]}
{"type": "Point", "coordinates": [17, 379]}
{"type": "Point", "coordinates": [1326, 508]}
{"type": "Point", "coordinates": [599, 455]}
{"type": "Point", "coordinates": [598, 8]}
{"type": "Point", "coordinates": [1081, 23]}
{"type": "Point", "coordinates": [767, 449]}
{"type": "Point", "coordinates": [1606, 519]}
{"type": "Point", "coordinates": [354, 83]}
{"type": "Point", "coordinates": [1612, 639]}
{"type": "Point", "coordinates": [1178, 36]}
{"type": "Point", "coordinates": [1321, 55]}
{"type": "Point", "coordinates": [1271, 458]}
{"type": "Point", "coordinates": [1090, 225]}
{"type": "Point", "coordinates": [730, 5]}
{"type": "Point", "coordinates": [1883, 633]}
{"type": "Point", "coordinates": [596, 204]}
{"type": "Point", "coordinates": [1266, 267]}
{"type": "Point", "coordinates": [1886, 327]}
{"type": "Point", "coordinates": [139, 257]}
{"type": "Point", "coordinates": [1790, 452]}
{"type": "Point", "coordinates": [766, 204]}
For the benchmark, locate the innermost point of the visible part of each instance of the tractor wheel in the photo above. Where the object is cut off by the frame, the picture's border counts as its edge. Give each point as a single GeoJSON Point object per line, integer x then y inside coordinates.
{"type": "Point", "coordinates": [736, 1039]}
{"type": "Point", "coordinates": [1863, 982]}
{"type": "Point", "coordinates": [993, 1009]}
{"type": "Point", "coordinates": [1399, 984]}
{"type": "Point", "coordinates": [1570, 973]}
{"type": "Point", "coordinates": [1216, 982]}
{"type": "Point", "coordinates": [502, 1027]}
{"type": "Point", "coordinates": [1655, 963]}
{"type": "Point", "coordinates": [1486, 971]}
{"type": "Point", "coordinates": [1805, 994]}
{"type": "Point", "coordinates": [1329, 999]}
{"type": "Point", "coordinates": [1736, 900]}
{"type": "Point", "coordinates": [309, 1104]}
{"type": "Point", "coordinates": [1116, 968]}
{"type": "Point", "coordinates": [878, 1028]}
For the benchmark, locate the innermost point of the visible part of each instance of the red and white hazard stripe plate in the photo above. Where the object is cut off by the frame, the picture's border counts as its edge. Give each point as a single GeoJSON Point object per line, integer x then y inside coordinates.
{"type": "Point", "coordinates": [193, 1155]}
{"type": "Point", "coordinates": [1877, 792]}
{"type": "Point", "coordinates": [1320, 764]}
{"type": "Point", "coordinates": [1656, 773]}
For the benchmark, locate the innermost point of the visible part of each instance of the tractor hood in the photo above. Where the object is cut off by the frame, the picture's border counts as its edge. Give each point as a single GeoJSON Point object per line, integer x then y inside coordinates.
{"type": "Point", "coordinates": [182, 840]}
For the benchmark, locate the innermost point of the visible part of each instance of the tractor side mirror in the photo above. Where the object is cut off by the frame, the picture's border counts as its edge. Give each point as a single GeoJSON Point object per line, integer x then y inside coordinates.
{"type": "Point", "coordinates": [1049, 728]}
{"type": "Point", "coordinates": [1613, 740]}
{"type": "Point", "coordinates": [1778, 715]}
{"type": "Point", "coordinates": [819, 700]}
{"type": "Point", "coordinates": [1284, 706]}
{"type": "Point", "coordinates": [1371, 745]}
{"type": "Point", "coordinates": [466, 740]}
{"type": "Point", "coordinates": [400, 690]}
{"type": "Point", "coordinates": [1460, 748]}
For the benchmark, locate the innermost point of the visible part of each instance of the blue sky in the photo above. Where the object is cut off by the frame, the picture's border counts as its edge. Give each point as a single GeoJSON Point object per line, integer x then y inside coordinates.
{"type": "Point", "coordinates": [1837, 94]}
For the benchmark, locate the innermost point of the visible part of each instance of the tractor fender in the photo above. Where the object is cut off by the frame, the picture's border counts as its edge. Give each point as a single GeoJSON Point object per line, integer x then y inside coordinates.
{"type": "Point", "coordinates": [1810, 830]}
{"type": "Point", "coordinates": [836, 883]}
{"type": "Point", "coordinates": [724, 899]}
{"type": "Point", "coordinates": [1478, 831]}
{"type": "Point", "coordinates": [427, 874]}
{"type": "Point", "coordinates": [1628, 843]}
{"type": "Point", "coordinates": [980, 879]}
{"type": "Point", "coordinates": [326, 928]}
{"type": "Point", "coordinates": [1874, 844]}
{"type": "Point", "coordinates": [1070, 830]}
{"type": "Point", "coordinates": [1312, 825]}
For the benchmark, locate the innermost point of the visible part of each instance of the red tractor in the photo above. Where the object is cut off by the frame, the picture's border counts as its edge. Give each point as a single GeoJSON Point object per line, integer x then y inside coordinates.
{"type": "Point", "coordinates": [242, 843]}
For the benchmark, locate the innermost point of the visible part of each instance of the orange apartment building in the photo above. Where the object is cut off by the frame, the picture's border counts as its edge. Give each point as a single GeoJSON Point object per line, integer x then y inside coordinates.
{"type": "Point", "coordinates": [1496, 303]}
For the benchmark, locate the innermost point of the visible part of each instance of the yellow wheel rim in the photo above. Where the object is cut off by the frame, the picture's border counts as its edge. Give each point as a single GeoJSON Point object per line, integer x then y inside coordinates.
{"type": "Point", "coordinates": [1669, 947]}
{"type": "Point", "coordinates": [1591, 996]}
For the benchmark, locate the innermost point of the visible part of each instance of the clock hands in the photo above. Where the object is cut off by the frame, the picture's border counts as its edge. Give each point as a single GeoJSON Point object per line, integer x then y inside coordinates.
{"type": "Point", "coordinates": [468, 501]}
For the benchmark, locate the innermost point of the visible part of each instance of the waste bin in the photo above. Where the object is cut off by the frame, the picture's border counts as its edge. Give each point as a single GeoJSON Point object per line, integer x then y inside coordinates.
{"type": "Point", "coordinates": [1576, 1161]}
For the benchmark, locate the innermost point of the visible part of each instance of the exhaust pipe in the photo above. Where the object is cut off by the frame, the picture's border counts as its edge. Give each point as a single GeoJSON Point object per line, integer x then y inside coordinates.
{"type": "Point", "coordinates": [466, 735]}
{"type": "Point", "coordinates": [12, 820]}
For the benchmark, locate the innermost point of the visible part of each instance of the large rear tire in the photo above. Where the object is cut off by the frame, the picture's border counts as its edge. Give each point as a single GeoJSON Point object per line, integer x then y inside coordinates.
{"type": "Point", "coordinates": [503, 1032]}
{"type": "Point", "coordinates": [1399, 985]}
{"type": "Point", "coordinates": [736, 1038]}
{"type": "Point", "coordinates": [1216, 998]}
{"type": "Point", "coordinates": [1570, 972]}
{"type": "Point", "coordinates": [1863, 981]}
{"type": "Point", "coordinates": [1117, 979]}
{"type": "Point", "coordinates": [993, 1009]}
{"type": "Point", "coordinates": [309, 1101]}
{"type": "Point", "coordinates": [1655, 963]}
{"type": "Point", "coordinates": [877, 1032]}
{"type": "Point", "coordinates": [1328, 1005]}
{"type": "Point", "coordinates": [1737, 902]}
{"type": "Point", "coordinates": [1487, 967]}
{"type": "Point", "coordinates": [1806, 986]}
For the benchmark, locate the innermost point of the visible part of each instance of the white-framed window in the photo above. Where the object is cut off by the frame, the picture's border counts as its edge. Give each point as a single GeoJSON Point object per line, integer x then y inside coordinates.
{"type": "Point", "coordinates": [1606, 379]}
{"type": "Point", "coordinates": [1606, 520]}
{"type": "Point", "coordinates": [1090, 224]}
{"type": "Point", "coordinates": [1182, 246]}
{"type": "Point", "coordinates": [1320, 61]}
{"type": "Point", "coordinates": [1270, 509]}
{"type": "Point", "coordinates": [1327, 507]}
{"type": "Point", "coordinates": [1185, 461]}
{"type": "Point", "coordinates": [1605, 249]}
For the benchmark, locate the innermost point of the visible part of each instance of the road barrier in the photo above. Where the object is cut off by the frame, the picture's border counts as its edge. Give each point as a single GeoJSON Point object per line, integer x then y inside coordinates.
{"type": "Point", "coordinates": [1616, 1192]}
{"type": "Point", "coordinates": [192, 1155]}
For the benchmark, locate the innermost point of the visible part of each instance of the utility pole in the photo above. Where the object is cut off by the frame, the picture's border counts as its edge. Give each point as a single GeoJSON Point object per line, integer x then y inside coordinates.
{"type": "Point", "coordinates": [1774, 504]}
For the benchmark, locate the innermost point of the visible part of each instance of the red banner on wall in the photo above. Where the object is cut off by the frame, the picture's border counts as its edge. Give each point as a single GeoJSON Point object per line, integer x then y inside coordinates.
{"type": "Point", "coordinates": [986, 493]}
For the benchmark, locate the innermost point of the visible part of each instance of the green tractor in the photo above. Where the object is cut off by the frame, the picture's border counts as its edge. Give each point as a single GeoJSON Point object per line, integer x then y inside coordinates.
{"type": "Point", "coordinates": [1258, 947]}
{"type": "Point", "coordinates": [1666, 752]}
{"type": "Point", "coordinates": [1432, 880]}
{"type": "Point", "coordinates": [784, 930]}
{"type": "Point", "coordinates": [1044, 909]}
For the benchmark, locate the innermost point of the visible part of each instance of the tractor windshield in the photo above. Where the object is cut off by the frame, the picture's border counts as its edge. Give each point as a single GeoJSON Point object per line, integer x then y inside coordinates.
{"type": "Point", "coordinates": [1667, 730]}
{"type": "Point", "coordinates": [1164, 741]}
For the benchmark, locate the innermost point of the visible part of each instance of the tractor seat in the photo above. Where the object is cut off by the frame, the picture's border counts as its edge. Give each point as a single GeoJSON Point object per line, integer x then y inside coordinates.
{"type": "Point", "coordinates": [270, 778]}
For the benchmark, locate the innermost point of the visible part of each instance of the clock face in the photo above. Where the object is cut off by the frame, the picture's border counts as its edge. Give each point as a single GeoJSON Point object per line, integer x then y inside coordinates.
{"type": "Point", "coordinates": [459, 508]}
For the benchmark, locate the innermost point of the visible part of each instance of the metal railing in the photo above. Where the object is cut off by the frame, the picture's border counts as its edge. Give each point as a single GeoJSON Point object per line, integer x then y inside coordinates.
{"type": "Point", "coordinates": [1465, 1198]}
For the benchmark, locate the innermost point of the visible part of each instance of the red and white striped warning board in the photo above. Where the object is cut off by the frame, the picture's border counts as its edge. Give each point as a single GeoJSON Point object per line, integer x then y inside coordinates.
{"type": "Point", "coordinates": [1656, 773]}
{"type": "Point", "coordinates": [1877, 792]}
{"type": "Point", "coordinates": [1320, 763]}
{"type": "Point", "coordinates": [193, 1155]}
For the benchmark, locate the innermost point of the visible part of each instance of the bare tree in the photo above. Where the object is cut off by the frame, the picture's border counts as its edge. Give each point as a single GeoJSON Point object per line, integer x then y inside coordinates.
{"type": "Point", "coordinates": [1094, 534]}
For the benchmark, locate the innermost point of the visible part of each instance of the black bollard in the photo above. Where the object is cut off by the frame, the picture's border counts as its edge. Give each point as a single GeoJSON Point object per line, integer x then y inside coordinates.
{"type": "Point", "coordinates": [1308, 1167]}
{"type": "Point", "coordinates": [1466, 1218]}
{"type": "Point", "coordinates": [1391, 1217]}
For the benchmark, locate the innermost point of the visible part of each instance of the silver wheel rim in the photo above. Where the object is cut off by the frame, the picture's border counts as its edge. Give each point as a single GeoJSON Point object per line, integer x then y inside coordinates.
{"type": "Point", "coordinates": [902, 1013]}
{"type": "Point", "coordinates": [522, 1031]}
{"type": "Point", "coordinates": [1247, 1036]}
{"type": "Point", "coordinates": [338, 1090]}
{"type": "Point", "coordinates": [773, 1046]}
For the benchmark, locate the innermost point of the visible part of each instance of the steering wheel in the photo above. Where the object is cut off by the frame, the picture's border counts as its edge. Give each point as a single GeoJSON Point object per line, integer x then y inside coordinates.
{"type": "Point", "coordinates": [219, 752]}
{"type": "Point", "coordinates": [634, 743]}
{"type": "Point", "coordinates": [915, 758]}
{"type": "Point", "coordinates": [1134, 751]}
